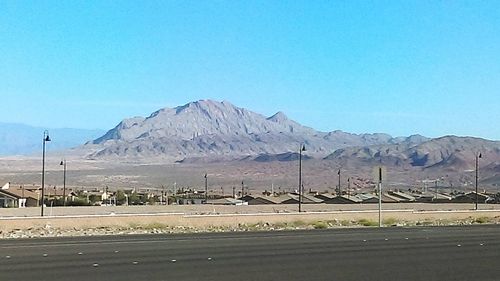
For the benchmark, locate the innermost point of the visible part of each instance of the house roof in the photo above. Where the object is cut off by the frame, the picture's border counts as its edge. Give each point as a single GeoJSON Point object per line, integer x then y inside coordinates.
{"type": "Point", "coordinates": [325, 196]}
{"type": "Point", "coordinates": [19, 193]}
{"type": "Point", "coordinates": [402, 195]}
{"type": "Point", "coordinates": [225, 201]}
{"type": "Point", "coordinates": [344, 199]}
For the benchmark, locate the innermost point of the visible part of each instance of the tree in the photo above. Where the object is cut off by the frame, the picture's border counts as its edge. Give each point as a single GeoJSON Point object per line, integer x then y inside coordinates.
{"type": "Point", "coordinates": [134, 199]}
{"type": "Point", "coordinates": [120, 197]}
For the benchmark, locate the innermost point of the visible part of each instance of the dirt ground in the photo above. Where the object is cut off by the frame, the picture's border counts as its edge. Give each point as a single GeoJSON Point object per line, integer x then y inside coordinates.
{"type": "Point", "coordinates": [18, 223]}
{"type": "Point", "coordinates": [221, 209]}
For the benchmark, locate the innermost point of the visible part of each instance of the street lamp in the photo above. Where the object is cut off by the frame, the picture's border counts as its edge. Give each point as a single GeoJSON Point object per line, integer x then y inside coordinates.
{"type": "Point", "coordinates": [242, 190]}
{"type": "Point", "coordinates": [63, 163]}
{"type": "Point", "coordinates": [206, 188]}
{"type": "Point", "coordinates": [477, 170]}
{"type": "Point", "coordinates": [348, 187]}
{"type": "Point", "coordinates": [340, 191]}
{"type": "Point", "coordinates": [301, 149]}
{"type": "Point", "coordinates": [46, 138]}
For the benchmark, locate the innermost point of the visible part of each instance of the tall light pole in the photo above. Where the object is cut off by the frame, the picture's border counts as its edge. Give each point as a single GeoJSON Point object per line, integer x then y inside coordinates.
{"type": "Point", "coordinates": [242, 190]}
{"type": "Point", "coordinates": [380, 197]}
{"type": "Point", "coordinates": [477, 176]}
{"type": "Point", "coordinates": [206, 188]}
{"type": "Point", "coordinates": [46, 138]}
{"type": "Point", "coordinates": [63, 163]}
{"type": "Point", "coordinates": [348, 187]}
{"type": "Point", "coordinates": [339, 190]}
{"type": "Point", "coordinates": [301, 149]}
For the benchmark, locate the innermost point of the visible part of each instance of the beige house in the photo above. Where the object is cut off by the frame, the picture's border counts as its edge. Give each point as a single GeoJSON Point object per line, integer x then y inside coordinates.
{"type": "Point", "coordinates": [17, 197]}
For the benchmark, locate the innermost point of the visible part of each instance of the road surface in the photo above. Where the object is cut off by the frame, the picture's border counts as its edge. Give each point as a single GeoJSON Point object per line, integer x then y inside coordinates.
{"type": "Point", "coordinates": [422, 253]}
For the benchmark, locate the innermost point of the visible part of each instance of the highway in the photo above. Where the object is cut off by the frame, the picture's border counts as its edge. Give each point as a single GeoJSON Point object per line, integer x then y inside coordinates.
{"type": "Point", "coordinates": [422, 253]}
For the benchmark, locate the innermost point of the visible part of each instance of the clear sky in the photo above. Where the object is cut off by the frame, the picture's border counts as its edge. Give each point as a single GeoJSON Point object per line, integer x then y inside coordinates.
{"type": "Point", "coordinates": [399, 67]}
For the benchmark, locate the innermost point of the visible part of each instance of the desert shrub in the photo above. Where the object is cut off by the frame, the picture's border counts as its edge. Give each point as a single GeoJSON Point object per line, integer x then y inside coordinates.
{"type": "Point", "coordinates": [320, 225]}
{"type": "Point", "coordinates": [482, 220]}
{"type": "Point", "coordinates": [366, 222]}
{"type": "Point", "coordinates": [390, 221]}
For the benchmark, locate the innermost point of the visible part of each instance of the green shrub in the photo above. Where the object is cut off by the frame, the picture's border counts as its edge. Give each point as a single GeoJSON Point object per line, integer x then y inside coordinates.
{"type": "Point", "coordinates": [482, 220]}
{"type": "Point", "coordinates": [320, 225]}
{"type": "Point", "coordinates": [389, 221]}
{"type": "Point", "coordinates": [366, 222]}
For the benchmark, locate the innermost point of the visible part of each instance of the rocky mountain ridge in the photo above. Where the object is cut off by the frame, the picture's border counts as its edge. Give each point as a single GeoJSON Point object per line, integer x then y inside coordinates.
{"type": "Point", "coordinates": [208, 128]}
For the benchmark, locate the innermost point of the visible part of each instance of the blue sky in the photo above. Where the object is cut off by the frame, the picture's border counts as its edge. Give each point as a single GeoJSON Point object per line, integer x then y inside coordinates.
{"type": "Point", "coordinates": [399, 67]}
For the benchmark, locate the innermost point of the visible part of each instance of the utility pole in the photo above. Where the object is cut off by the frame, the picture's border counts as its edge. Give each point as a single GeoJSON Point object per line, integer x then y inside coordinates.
{"type": "Point", "coordinates": [63, 163]}
{"type": "Point", "coordinates": [242, 189]}
{"type": "Point", "coordinates": [348, 188]}
{"type": "Point", "coordinates": [106, 195]}
{"type": "Point", "coordinates": [380, 197]}
{"type": "Point", "coordinates": [46, 138]}
{"type": "Point", "coordinates": [436, 188]}
{"type": "Point", "coordinates": [477, 177]}
{"type": "Point", "coordinates": [206, 189]}
{"type": "Point", "coordinates": [340, 191]}
{"type": "Point", "coordinates": [301, 149]}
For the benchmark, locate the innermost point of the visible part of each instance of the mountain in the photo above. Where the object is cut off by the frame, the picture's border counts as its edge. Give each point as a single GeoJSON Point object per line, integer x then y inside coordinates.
{"type": "Point", "coordinates": [448, 153]}
{"type": "Point", "coordinates": [208, 128]}
{"type": "Point", "coordinates": [20, 139]}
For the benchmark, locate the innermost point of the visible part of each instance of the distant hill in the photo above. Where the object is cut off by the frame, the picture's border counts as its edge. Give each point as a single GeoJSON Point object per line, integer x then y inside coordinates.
{"type": "Point", "coordinates": [448, 153]}
{"type": "Point", "coordinates": [214, 129]}
{"type": "Point", "coordinates": [20, 139]}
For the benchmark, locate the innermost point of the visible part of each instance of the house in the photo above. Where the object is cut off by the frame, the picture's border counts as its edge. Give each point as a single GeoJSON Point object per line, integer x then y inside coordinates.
{"type": "Point", "coordinates": [17, 197]}
{"type": "Point", "coordinates": [367, 197]}
{"type": "Point", "coordinates": [470, 198]}
{"type": "Point", "coordinates": [306, 199]}
{"type": "Point", "coordinates": [325, 196]}
{"type": "Point", "coordinates": [247, 198]}
{"type": "Point", "coordinates": [344, 199]}
{"type": "Point", "coordinates": [372, 198]}
{"type": "Point", "coordinates": [442, 198]}
{"type": "Point", "coordinates": [263, 200]}
{"type": "Point", "coordinates": [226, 201]}
{"type": "Point", "coordinates": [404, 197]}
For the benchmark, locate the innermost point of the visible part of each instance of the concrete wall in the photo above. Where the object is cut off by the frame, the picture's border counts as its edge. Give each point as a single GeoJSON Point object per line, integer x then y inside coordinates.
{"type": "Point", "coordinates": [229, 220]}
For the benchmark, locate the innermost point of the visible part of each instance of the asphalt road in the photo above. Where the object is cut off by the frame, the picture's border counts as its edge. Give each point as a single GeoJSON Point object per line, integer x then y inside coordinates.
{"type": "Point", "coordinates": [444, 253]}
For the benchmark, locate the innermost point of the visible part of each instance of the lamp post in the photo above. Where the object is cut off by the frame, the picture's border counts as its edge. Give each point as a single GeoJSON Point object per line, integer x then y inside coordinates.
{"type": "Point", "coordinates": [477, 176]}
{"type": "Point", "coordinates": [46, 138]}
{"type": "Point", "coordinates": [339, 190]}
{"type": "Point", "coordinates": [380, 197]}
{"type": "Point", "coordinates": [348, 188]}
{"type": "Point", "coordinates": [63, 163]}
{"type": "Point", "coordinates": [242, 190]}
{"type": "Point", "coordinates": [206, 189]}
{"type": "Point", "coordinates": [301, 149]}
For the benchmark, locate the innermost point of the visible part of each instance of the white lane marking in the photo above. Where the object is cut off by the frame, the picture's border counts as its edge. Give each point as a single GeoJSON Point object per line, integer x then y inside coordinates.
{"type": "Point", "coordinates": [145, 241]}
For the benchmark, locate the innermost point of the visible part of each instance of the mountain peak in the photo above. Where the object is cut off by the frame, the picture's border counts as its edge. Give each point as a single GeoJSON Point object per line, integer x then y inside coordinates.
{"type": "Point", "coordinates": [278, 117]}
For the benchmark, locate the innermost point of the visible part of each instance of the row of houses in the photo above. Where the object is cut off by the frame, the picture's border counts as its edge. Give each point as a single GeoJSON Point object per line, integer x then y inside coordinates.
{"type": "Point", "coordinates": [20, 197]}
{"type": "Point", "coordinates": [362, 198]}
